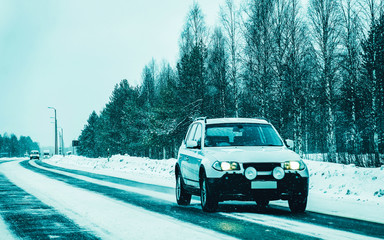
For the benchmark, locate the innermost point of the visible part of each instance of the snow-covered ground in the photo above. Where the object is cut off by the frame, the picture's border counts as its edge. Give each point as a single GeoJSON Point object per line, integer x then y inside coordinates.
{"type": "Point", "coordinates": [343, 190]}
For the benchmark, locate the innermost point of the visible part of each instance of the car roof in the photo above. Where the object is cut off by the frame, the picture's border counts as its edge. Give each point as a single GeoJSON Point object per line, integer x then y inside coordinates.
{"type": "Point", "coordinates": [236, 120]}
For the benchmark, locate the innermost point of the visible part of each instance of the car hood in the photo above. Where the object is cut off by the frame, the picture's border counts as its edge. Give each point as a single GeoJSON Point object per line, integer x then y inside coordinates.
{"type": "Point", "coordinates": [251, 154]}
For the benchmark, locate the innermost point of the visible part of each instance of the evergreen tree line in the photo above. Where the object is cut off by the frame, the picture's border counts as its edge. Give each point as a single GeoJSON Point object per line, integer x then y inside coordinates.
{"type": "Point", "coordinates": [317, 74]}
{"type": "Point", "coordinates": [11, 146]}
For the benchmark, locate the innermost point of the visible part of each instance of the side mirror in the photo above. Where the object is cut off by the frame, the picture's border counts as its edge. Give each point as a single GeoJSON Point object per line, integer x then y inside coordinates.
{"type": "Point", "coordinates": [192, 144]}
{"type": "Point", "coordinates": [290, 144]}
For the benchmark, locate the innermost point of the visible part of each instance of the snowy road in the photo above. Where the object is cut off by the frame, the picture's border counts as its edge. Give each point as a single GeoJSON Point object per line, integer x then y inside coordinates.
{"type": "Point", "coordinates": [44, 201]}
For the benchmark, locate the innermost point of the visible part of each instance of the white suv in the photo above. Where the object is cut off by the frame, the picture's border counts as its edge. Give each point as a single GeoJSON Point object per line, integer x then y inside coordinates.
{"type": "Point", "coordinates": [238, 159]}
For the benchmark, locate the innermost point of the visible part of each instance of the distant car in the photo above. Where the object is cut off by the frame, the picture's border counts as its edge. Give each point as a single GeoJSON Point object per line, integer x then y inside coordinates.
{"type": "Point", "coordinates": [239, 159]}
{"type": "Point", "coordinates": [46, 154]}
{"type": "Point", "coordinates": [34, 154]}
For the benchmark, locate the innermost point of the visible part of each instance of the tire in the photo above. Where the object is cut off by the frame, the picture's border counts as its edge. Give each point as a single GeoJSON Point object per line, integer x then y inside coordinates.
{"type": "Point", "coordinates": [209, 202]}
{"type": "Point", "coordinates": [298, 204]}
{"type": "Point", "coordinates": [182, 197]}
{"type": "Point", "coordinates": [262, 204]}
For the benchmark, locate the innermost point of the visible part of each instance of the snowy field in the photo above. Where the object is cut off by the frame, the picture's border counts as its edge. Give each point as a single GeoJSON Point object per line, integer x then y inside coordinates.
{"type": "Point", "coordinates": [342, 190]}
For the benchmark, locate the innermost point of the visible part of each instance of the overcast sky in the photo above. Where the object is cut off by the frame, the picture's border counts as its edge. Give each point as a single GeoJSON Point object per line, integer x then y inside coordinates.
{"type": "Point", "coordinates": [69, 54]}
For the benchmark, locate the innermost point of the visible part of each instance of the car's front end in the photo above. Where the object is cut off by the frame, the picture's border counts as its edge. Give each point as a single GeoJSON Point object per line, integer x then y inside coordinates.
{"type": "Point", "coordinates": [248, 160]}
{"type": "Point", "coordinates": [34, 155]}
{"type": "Point", "coordinates": [254, 174]}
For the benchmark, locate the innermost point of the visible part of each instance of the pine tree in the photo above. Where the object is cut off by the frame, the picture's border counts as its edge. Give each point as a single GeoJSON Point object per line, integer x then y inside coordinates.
{"type": "Point", "coordinates": [89, 137]}
{"type": "Point", "coordinates": [113, 117]}
{"type": "Point", "coordinates": [192, 66]}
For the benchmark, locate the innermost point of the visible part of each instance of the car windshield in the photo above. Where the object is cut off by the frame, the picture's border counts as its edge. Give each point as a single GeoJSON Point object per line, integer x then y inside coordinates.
{"type": "Point", "coordinates": [241, 134]}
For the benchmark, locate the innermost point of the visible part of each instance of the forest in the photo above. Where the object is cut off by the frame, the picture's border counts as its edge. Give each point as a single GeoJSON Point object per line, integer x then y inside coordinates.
{"type": "Point", "coordinates": [315, 72]}
{"type": "Point", "coordinates": [11, 146]}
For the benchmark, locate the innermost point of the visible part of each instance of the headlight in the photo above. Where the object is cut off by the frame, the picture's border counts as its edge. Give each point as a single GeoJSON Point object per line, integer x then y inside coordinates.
{"type": "Point", "coordinates": [226, 166]}
{"type": "Point", "coordinates": [294, 165]}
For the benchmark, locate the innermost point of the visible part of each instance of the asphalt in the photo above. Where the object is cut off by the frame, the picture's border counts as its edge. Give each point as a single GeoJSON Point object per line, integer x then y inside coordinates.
{"type": "Point", "coordinates": [28, 218]}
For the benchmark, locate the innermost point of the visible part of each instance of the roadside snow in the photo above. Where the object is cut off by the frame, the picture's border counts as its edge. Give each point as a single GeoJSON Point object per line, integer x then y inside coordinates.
{"type": "Point", "coordinates": [160, 172]}
{"type": "Point", "coordinates": [347, 181]}
{"type": "Point", "coordinates": [337, 189]}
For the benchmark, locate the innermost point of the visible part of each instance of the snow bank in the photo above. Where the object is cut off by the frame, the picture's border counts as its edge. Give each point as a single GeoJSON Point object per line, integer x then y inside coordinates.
{"type": "Point", "coordinates": [347, 181]}
{"type": "Point", "coordinates": [146, 170]}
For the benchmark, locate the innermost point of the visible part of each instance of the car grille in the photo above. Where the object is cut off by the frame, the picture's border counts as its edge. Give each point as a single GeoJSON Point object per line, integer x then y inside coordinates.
{"type": "Point", "coordinates": [262, 167]}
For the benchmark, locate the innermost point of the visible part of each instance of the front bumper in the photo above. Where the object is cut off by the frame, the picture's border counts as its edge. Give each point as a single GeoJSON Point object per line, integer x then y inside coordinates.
{"type": "Point", "coordinates": [237, 187]}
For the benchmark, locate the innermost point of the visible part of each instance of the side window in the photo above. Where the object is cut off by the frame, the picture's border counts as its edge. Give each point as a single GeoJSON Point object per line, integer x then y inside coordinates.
{"type": "Point", "coordinates": [197, 137]}
{"type": "Point", "coordinates": [191, 133]}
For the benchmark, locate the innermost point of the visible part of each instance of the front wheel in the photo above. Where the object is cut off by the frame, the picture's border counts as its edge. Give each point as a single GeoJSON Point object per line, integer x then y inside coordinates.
{"type": "Point", "coordinates": [209, 201]}
{"type": "Point", "coordinates": [298, 204]}
{"type": "Point", "coordinates": [182, 197]}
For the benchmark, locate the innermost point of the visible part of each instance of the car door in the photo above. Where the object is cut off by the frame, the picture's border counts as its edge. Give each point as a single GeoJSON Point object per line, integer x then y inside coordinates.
{"type": "Point", "coordinates": [196, 156]}
{"type": "Point", "coordinates": [185, 155]}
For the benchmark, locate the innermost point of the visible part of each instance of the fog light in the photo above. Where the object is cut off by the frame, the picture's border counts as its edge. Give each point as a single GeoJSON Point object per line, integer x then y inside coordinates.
{"type": "Point", "coordinates": [250, 173]}
{"type": "Point", "coordinates": [278, 173]}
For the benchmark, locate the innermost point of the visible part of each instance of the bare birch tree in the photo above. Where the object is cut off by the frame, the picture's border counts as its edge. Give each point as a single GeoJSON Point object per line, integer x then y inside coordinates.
{"type": "Point", "coordinates": [258, 74]}
{"type": "Point", "coordinates": [280, 44]}
{"type": "Point", "coordinates": [325, 18]}
{"type": "Point", "coordinates": [195, 30]}
{"type": "Point", "coordinates": [373, 11]}
{"type": "Point", "coordinates": [351, 38]}
{"type": "Point", "coordinates": [217, 74]}
{"type": "Point", "coordinates": [229, 15]}
{"type": "Point", "coordinates": [298, 68]}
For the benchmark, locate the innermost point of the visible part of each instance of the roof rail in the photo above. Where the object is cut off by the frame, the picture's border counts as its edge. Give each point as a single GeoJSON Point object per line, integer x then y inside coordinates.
{"type": "Point", "coordinates": [201, 118]}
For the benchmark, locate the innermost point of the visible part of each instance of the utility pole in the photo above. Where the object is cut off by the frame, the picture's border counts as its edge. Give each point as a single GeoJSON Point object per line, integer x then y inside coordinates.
{"type": "Point", "coordinates": [61, 137]}
{"type": "Point", "coordinates": [55, 130]}
{"type": "Point", "coordinates": [62, 141]}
